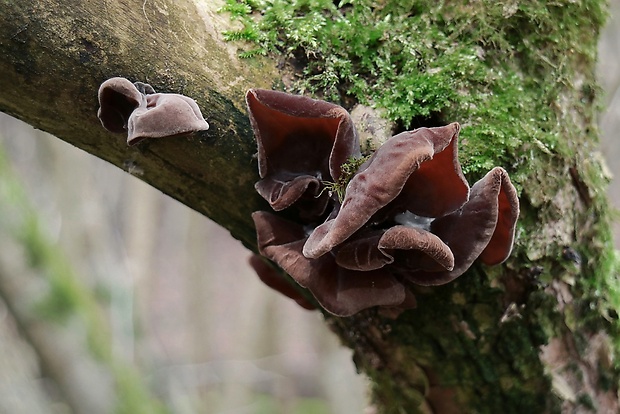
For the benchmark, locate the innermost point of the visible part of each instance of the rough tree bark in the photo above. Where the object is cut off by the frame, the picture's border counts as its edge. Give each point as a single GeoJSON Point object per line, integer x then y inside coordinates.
{"type": "Point", "coordinates": [493, 341]}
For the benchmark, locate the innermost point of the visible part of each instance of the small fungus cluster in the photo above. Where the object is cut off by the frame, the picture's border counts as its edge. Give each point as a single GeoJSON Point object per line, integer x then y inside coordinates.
{"type": "Point", "coordinates": [136, 109]}
{"type": "Point", "coordinates": [407, 215]}
{"type": "Point", "coordinates": [359, 232]}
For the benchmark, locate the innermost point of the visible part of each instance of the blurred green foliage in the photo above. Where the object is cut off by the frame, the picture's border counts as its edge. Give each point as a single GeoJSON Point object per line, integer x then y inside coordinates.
{"type": "Point", "coordinates": [67, 298]}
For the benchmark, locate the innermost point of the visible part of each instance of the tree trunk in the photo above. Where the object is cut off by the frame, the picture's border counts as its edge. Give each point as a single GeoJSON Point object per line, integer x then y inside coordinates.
{"type": "Point", "coordinates": [537, 334]}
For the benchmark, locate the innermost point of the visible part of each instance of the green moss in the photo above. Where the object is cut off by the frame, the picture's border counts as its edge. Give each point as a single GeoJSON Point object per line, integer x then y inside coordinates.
{"type": "Point", "coordinates": [348, 170]}
{"type": "Point", "coordinates": [514, 74]}
{"type": "Point", "coordinates": [499, 72]}
{"type": "Point", "coordinates": [471, 351]}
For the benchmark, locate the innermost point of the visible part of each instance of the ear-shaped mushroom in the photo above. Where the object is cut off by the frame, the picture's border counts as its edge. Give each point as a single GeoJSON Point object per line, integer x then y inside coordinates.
{"type": "Point", "coordinates": [301, 141]}
{"type": "Point", "coordinates": [124, 107]}
{"type": "Point", "coordinates": [270, 276]}
{"type": "Point", "coordinates": [407, 215]}
{"type": "Point", "coordinates": [165, 115]}
{"type": "Point", "coordinates": [413, 248]}
{"type": "Point", "coordinates": [500, 245]}
{"type": "Point", "coordinates": [484, 227]}
{"type": "Point", "coordinates": [118, 98]}
{"type": "Point", "coordinates": [340, 291]}
{"type": "Point", "coordinates": [424, 162]}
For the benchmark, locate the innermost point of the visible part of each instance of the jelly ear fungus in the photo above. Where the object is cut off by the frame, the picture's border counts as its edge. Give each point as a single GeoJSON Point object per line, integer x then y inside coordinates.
{"type": "Point", "coordinates": [136, 109]}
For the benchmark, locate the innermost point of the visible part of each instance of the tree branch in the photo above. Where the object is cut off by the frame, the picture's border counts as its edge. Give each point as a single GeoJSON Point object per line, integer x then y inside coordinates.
{"type": "Point", "coordinates": [57, 56]}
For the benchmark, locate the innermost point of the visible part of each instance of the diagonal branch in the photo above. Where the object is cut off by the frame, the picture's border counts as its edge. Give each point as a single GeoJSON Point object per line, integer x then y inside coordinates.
{"type": "Point", "coordinates": [56, 56]}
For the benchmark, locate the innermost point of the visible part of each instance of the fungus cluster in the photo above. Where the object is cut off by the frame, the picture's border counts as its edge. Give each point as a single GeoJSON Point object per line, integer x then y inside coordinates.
{"type": "Point", "coordinates": [407, 215]}
{"type": "Point", "coordinates": [136, 109]}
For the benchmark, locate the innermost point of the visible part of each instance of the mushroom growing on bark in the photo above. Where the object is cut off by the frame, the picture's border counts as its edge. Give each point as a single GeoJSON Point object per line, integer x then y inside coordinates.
{"type": "Point", "coordinates": [301, 143]}
{"type": "Point", "coordinates": [407, 217]}
{"type": "Point", "coordinates": [142, 113]}
{"type": "Point", "coordinates": [270, 276]}
{"type": "Point", "coordinates": [415, 171]}
{"type": "Point", "coordinates": [340, 291]}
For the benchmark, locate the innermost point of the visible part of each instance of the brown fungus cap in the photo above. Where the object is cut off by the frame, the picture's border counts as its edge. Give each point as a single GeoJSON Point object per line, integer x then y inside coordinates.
{"type": "Point", "coordinates": [418, 171]}
{"type": "Point", "coordinates": [408, 215]}
{"type": "Point", "coordinates": [118, 98]}
{"type": "Point", "coordinates": [340, 291]}
{"type": "Point", "coordinates": [301, 142]}
{"type": "Point", "coordinates": [142, 114]}
{"type": "Point", "coordinates": [483, 228]}
{"type": "Point", "coordinates": [417, 248]}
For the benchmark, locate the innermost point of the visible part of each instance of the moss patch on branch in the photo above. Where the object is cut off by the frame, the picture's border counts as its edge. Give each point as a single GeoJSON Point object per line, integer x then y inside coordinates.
{"type": "Point", "coordinates": [496, 67]}
{"type": "Point", "coordinates": [517, 75]}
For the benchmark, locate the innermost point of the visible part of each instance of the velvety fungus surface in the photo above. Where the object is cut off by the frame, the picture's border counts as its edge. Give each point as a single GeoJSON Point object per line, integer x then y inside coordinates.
{"type": "Point", "coordinates": [136, 109]}
{"type": "Point", "coordinates": [408, 215]}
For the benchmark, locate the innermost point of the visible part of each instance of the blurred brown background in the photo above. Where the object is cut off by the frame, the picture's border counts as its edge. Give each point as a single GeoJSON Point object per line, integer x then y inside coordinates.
{"type": "Point", "coordinates": [184, 306]}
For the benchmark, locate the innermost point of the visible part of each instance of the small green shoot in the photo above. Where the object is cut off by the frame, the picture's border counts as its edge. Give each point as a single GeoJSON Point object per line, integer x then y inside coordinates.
{"type": "Point", "coordinates": [348, 170]}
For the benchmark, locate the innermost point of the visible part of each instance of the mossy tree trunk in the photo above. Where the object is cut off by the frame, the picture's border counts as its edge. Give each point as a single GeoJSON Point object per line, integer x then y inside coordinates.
{"type": "Point", "coordinates": [537, 334]}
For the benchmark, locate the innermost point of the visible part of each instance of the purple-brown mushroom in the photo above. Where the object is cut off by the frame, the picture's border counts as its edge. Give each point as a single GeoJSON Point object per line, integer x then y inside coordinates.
{"type": "Point", "coordinates": [411, 209]}
{"type": "Point", "coordinates": [408, 215]}
{"type": "Point", "coordinates": [413, 248]}
{"type": "Point", "coordinates": [272, 278]}
{"type": "Point", "coordinates": [142, 113]}
{"type": "Point", "coordinates": [340, 291]}
{"type": "Point", "coordinates": [484, 228]}
{"type": "Point", "coordinates": [415, 171]}
{"type": "Point", "coordinates": [301, 143]}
